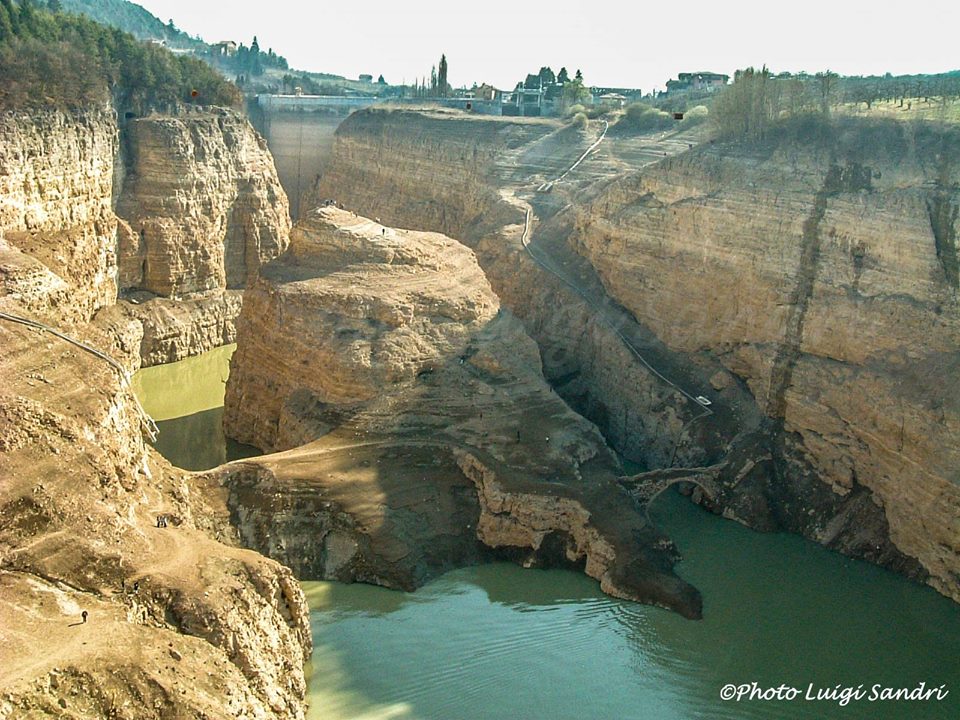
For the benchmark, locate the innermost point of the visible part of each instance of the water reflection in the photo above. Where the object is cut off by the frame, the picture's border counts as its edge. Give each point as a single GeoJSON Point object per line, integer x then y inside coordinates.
{"type": "Point", "coordinates": [197, 442]}
{"type": "Point", "coordinates": [500, 641]}
{"type": "Point", "coordinates": [186, 400]}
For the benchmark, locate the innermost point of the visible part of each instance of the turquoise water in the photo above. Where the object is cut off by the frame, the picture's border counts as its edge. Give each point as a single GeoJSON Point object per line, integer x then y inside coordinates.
{"type": "Point", "coordinates": [500, 642]}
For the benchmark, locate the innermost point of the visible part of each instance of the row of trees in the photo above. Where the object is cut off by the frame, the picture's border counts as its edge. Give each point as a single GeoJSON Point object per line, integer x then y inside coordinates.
{"type": "Point", "coordinates": [252, 61]}
{"type": "Point", "coordinates": [438, 86]}
{"type": "Point", "coordinates": [52, 59]}
{"type": "Point", "coordinates": [758, 100]}
{"type": "Point", "coordinates": [557, 88]}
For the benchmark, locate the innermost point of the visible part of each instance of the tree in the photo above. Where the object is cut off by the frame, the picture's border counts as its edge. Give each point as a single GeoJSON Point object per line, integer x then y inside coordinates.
{"type": "Point", "coordinates": [381, 81]}
{"type": "Point", "coordinates": [256, 64]}
{"type": "Point", "coordinates": [28, 16]}
{"type": "Point", "coordinates": [562, 76]}
{"type": "Point", "coordinates": [547, 76]}
{"type": "Point", "coordinates": [12, 15]}
{"type": "Point", "coordinates": [54, 6]}
{"type": "Point", "coordinates": [748, 107]}
{"type": "Point", "coordinates": [826, 85]}
{"type": "Point", "coordinates": [6, 30]}
{"type": "Point", "coordinates": [574, 93]}
{"type": "Point", "coordinates": [443, 87]}
{"type": "Point", "coordinates": [579, 75]}
{"type": "Point", "coordinates": [433, 80]}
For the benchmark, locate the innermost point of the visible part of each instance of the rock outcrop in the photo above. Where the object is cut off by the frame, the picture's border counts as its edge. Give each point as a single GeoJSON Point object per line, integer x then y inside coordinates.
{"type": "Point", "coordinates": [58, 231]}
{"type": "Point", "coordinates": [175, 618]}
{"type": "Point", "coordinates": [183, 207]}
{"type": "Point", "coordinates": [416, 431]}
{"type": "Point", "coordinates": [102, 613]}
{"type": "Point", "coordinates": [811, 295]}
{"type": "Point", "coordinates": [203, 202]}
{"type": "Point", "coordinates": [403, 166]}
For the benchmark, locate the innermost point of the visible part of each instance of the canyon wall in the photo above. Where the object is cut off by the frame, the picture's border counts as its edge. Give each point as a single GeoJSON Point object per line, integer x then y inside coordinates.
{"type": "Point", "coordinates": [184, 207]}
{"type": "Point", "coordinates": [809, 289]}
{"type": "Point", "coordinates": [174, 623]}
{"type": "Point", "coordinates": [822, 277]}
{"type": "Point", "coordinates": [418, 432]}
{"type": "Point", "coordinates": [456, 174]}
{"type": "Point", "coordinates": [58, 231]}
{"type": "Point", "coordinates": [203, 200]}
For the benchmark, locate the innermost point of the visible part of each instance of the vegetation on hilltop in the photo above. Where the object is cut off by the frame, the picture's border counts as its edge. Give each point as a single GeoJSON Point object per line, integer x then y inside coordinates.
{"type": "Point", "coordinates": [130, 17]}
{"type": "Point", "coordinates": [243, 61]}
{"type": "Point", "coordinates": [758, 101]}
{"type": "Point", "coordinates": [53, 59]}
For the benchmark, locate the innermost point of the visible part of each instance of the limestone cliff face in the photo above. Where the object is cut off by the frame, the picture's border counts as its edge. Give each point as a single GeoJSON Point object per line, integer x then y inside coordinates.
{"type": "Point", "coordinates": [203, 202]}
{"type": "Point", "coordinates": [455, 174]}
{"type": "Point", "coordinates": [364, 311]}
{"type": "Point", "coordinates": [823, 278]}
{"type": "Point", "coordinates": [811, 295]}
{"type": "Point", "coordinates": [58, 232]}
{"type": "Point", "coordinates": [423, 435]}
{"type": "Point", "coordinates": [426, 170]}
{"type": "Point", "coordinates": [179, 624]}
{"type": "Point", "coordinates": [191, 212]}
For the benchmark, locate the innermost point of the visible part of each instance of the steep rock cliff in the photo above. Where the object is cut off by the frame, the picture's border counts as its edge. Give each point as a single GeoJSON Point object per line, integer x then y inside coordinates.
{"type": "Point", "coordinates": [203, 201]}
{"type": "Point", "coordinates": [454, 173]}
{"type": "Point", "coordinates": [821, 276]}
{"type": "Point", "coordinates": [177, 623]}
{"type": "Point", "coordinates": [423, 433]}
{"type": "Point", "coordinates": [186, 206]}
{"type": "Point", "coordinates": [58, 232]}
{"type": "Point", "coordinates": [810, 291]}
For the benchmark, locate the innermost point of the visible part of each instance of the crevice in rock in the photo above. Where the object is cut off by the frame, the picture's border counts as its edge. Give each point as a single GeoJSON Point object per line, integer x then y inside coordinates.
{"type": "Point", "coordinates": [781, 375]}
{"type": "Point", "coordinates": [943, 218]}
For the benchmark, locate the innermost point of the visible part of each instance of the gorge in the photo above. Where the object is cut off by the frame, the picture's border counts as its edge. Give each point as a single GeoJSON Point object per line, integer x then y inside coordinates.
{"type": "Point", "coordinates": [448, 371]}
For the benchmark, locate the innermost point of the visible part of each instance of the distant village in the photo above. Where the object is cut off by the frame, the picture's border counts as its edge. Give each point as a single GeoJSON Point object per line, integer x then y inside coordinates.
{"type": "Point", "coordinates": [545, 93]}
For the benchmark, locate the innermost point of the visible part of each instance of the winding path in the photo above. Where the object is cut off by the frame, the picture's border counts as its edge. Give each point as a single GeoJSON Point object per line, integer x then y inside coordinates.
{"type": "Point", "coordinates": [599, 311]}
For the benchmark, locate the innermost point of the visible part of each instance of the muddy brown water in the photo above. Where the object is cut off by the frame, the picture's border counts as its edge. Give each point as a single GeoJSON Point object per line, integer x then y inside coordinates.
{"type": "Point", "coordinates": [498, 641]}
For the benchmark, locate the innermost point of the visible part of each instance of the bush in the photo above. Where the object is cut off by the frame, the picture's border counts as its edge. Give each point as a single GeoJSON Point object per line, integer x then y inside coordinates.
{"type": "Point", "coordinates": [574, 109]}
{"type": "Point", "coordinates": [579, 120]}
{"type": "Point", "coordinates": [639, 117]}
{"type": "Point", "coordinates": [696, 115]}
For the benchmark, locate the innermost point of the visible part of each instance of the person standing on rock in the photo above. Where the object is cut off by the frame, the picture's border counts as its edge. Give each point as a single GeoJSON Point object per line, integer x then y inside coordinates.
{"type": "Point", "coordinates": [84, 616]}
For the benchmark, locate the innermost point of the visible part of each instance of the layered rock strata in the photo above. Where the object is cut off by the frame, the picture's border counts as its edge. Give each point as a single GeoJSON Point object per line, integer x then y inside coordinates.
{"type": "Point", "coordinates": [203, 202]}
{"type": "Point", "coordinates": [58, 231]}
{"type": "Point", "coordinates": [457, 174]}
{"type": "Point", "coordinates": [102, 613]}
{"type": "Point", "coordinates": [415, 430]}
{"type": "Point", "coordinates": [810, 291]}
{"type": "Point", "coordinates": [822, 278]}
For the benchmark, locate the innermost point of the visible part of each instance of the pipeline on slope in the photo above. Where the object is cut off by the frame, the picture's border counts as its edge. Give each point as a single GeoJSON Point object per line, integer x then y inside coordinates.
{"type": "Point", "coordinates": [525, 241]}
{"type": "Point", "coordinates": [150, 428]}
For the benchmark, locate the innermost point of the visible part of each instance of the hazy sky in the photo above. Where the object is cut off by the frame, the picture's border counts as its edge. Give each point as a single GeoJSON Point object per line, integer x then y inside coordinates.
{"type": "Point", "coordinates": [626, 44]}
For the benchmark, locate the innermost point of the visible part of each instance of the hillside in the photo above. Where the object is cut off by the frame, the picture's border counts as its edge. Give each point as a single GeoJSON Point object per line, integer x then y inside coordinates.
{"type": "Point", "coordinates": [68, 61]}
{"type": "Point", "coordinates": [133, 19]}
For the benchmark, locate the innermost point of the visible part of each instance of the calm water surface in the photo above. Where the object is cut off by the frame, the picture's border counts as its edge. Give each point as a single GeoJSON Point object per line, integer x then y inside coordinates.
{"type": "Point", "coordinates": [500, 642]}
{"type": "Point", "coordinates": [186, 400]}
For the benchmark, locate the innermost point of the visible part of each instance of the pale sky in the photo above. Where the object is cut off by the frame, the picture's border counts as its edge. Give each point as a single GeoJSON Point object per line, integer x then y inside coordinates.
{"type": "Point", "coordinates": [621, 44]}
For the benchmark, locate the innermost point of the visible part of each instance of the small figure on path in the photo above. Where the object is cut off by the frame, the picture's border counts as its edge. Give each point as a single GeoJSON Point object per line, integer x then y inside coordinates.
{"type": "Point", "coordinates": [84, 616]}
